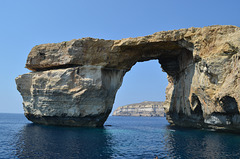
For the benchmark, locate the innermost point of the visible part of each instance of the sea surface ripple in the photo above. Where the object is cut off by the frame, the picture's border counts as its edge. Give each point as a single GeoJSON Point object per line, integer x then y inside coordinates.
{"type": "Point", "coordinates": [121, 137]}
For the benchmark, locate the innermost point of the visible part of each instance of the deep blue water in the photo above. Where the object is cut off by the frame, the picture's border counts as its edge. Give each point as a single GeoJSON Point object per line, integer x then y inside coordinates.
{"type": "Point", "coordinates": [127, 137]}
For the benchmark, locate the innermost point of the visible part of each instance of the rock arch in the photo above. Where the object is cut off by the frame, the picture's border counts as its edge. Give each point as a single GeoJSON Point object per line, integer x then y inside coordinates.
{"type": "Point", "coordinates": [75, 82]}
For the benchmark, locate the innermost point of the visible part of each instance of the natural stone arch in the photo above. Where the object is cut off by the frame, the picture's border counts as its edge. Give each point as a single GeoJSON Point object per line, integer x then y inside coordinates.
{"type": "Point", "coordinates": [82, 76]}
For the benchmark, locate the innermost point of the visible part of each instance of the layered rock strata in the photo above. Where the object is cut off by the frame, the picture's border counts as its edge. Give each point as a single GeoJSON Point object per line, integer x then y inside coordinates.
{"type": "Point", "coordinates": [146, 109]}
{"type": "Point", "coordinates": [74, 83]}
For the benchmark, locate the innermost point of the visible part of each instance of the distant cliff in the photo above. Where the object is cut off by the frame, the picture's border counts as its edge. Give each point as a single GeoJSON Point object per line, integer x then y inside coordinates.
{"type": "Point", "coordinates": [146, 108]}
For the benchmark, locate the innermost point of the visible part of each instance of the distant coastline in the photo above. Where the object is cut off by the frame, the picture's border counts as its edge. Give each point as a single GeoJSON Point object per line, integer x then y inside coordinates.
{"type": "Point", "coordinates": [144, 109]}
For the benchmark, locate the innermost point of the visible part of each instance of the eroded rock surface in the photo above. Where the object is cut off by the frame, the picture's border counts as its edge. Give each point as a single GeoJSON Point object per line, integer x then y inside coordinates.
{"type": "Point", "coordinates": [76, 96]}
{"type": "Point", "coordinates": [75, 82]}
{"type": "Point", "coordinates": [146, 109]}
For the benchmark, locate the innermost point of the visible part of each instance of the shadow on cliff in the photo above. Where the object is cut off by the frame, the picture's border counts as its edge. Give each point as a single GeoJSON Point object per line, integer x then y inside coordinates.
{"type": "Point", "coordinates": [184, 106]}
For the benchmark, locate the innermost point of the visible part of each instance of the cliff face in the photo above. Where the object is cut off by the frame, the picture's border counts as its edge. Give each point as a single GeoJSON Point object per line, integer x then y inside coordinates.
{"type": "Point", "coordinates": [146, 108]}
{"type": "Point", "coordinates": [75, 82]}
{"type": "Point", "coordinates": [75, 96]}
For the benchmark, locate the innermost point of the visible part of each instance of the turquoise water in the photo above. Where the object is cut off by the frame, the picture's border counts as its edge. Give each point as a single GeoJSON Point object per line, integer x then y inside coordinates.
{"type": "Point", "coordinates": [122, 137]}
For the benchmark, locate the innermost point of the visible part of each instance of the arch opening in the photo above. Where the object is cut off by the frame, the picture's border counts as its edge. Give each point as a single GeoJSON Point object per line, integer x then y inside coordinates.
{"type": "Point", "coordinates": [176, 59]}
{"type": "Point", "coordinates": [144, 85]}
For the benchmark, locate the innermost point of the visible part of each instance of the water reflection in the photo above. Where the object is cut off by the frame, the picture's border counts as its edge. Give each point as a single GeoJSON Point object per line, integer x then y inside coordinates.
{"type": "Point", "coordinates": [126, 138]}
{"type": "Point", "coordinates": [191, 143]}
{"type": "Point", "coordinates": [36, 141]}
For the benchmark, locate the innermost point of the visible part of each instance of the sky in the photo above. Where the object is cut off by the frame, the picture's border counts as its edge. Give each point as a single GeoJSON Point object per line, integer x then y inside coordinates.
{"type": "Point", "coordinates": [26, 23]}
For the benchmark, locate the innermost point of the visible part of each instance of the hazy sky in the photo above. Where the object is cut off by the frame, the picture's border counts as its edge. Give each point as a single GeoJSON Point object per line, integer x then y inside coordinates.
{"type": "Point", "coordinates": [26, 23]}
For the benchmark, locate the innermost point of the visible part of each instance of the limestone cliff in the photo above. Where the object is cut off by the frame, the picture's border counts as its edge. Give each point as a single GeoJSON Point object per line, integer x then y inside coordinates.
{"type": "Point", "coordinates": [146, 108]}
{"type": "Point", "coordinates": [75, 82]}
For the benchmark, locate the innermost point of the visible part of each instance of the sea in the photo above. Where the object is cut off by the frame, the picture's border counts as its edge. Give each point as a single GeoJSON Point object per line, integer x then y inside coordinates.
{"type": "Point", "coordinates": [120, 138]}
